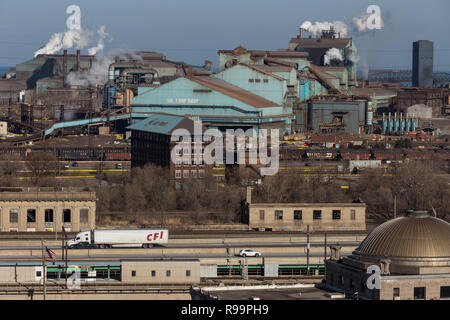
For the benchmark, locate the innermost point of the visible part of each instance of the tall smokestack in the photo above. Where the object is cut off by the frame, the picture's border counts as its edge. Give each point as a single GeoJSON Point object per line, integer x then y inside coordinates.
{"type": "Point", "coordinates": [78, 61]}
{"type": "Point", "coordinates": [65, 69]}
{"type": "Point", "coordinates": [301, 33]}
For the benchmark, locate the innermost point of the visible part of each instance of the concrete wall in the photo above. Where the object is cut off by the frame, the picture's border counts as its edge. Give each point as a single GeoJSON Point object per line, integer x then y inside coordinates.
{"type": "Point", "coordinates": [325, 223]}
{"type": "Point", "coordinates": [143, 271]}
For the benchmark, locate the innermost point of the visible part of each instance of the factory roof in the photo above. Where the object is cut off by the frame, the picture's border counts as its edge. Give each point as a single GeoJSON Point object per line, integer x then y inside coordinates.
{"type": "Point", "coordinates": [232, 91]}
{"type": "Point", "coordinates": [330, 68]}
{"type": "Point", "coordinates": [321, 42]}
{"type": "Point", "coordinates": [162, 123]}
{"type": "Point", "coordinates": [267, 69]}
{"type": "Point", "coordinates": [262, 53]}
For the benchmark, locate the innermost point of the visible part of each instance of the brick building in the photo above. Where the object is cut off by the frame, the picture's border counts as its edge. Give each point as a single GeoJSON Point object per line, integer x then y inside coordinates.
{"type": "Point", "coordinates": [297, 216]}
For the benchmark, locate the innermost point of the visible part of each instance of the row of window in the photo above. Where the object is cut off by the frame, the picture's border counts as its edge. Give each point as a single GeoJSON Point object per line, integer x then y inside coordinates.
{"type": "Point", "coordinates": [258, 80]}
{"type": "Point", "coordinates": [48, 216]}
{"type": "Point", "coordinates": [188, 163]}
{"type": "Point", "coordinates": [190, 173]}
{"type": "Point", "coordinates": [419, 292]}
{"type": "Point", "coordinates": [168, 273]}
{"type": "Point", "coordinates": [317, 214]}
{"type": "Point", "coordinates": [187, 151]}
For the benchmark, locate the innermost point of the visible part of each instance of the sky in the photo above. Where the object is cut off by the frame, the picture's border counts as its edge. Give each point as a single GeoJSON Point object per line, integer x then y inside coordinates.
{"type": "Point", "coordinates": [194, 30]}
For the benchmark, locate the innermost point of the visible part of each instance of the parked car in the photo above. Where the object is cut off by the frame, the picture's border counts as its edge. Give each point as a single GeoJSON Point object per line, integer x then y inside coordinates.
{"type": "Point", "coordinates": [66, 166]}
{"type": "Point", "coordinates": [75, 164]}
{"type": "Point", "coordinates": [118, 166]}
{"type": "Point", "coordinates": [249, 253]}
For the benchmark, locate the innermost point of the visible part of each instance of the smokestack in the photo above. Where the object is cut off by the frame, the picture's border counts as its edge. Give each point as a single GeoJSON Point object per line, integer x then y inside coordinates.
{"type": "Point", "coordinates": [65, 69]}
{"type": "Point", "coordinates": [301, 33]}
{"type": "Point", "coordinates": [78, 61]}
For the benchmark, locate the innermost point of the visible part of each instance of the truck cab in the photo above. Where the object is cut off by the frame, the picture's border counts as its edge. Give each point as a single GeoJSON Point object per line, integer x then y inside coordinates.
{"type": "Point", "coordinates": [81, 237]}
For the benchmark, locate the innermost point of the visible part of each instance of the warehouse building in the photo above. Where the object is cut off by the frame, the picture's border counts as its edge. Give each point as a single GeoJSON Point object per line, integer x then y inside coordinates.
{"type": "Point", "coordinates": [46, 209]}
{"type": "Point", "coordinates": [327, 116]}
{"type": "Point", "coordinates": [216, 102]}
{"type": "Point", "coordinates": [298, 216]}
{"type": "Point", "coordinates": [412, 254]}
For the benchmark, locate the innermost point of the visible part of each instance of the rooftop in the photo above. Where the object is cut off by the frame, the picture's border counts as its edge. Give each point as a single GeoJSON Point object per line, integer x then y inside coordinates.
{"type": "Point", "coordinates": [311, 43]}
{"type": "Point", "coordinates": [232, 91]}
{"type": "Point", "coordinates": [162, 123]}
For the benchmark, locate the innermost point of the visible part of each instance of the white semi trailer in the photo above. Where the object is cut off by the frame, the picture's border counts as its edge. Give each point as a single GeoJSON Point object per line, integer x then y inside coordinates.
{"type": "Point", "coordinates": [119, 238]}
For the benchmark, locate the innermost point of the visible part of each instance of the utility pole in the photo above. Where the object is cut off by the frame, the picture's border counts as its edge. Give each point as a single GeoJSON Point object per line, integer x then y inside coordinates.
{"type": "Point", "coordinates": [395, 207]}
{"type": "Point", "coordinates": [65, 248]}
{"type": "Point", "coordinates": [325, 249]}
{"type": "Point", "coordinates": [307, 249]}
{"type": "Point", "coordinates": [44, 267]}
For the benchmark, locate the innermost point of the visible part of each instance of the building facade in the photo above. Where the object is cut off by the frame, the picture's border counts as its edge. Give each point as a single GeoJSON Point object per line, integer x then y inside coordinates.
{"type": "Point", "coordinates": [411, 254]}
{"type": "Point", "coordinates": [27, 210]}
{"type": "Point", "coordinates": [298, 216]}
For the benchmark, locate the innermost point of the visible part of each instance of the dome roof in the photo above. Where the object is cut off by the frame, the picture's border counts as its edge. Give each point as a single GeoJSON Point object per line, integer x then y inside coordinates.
{"type": "Point", "coordinates": [415, 236]}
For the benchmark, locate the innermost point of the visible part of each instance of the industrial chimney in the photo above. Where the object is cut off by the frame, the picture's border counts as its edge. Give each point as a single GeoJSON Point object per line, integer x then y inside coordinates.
{"type": "Point", "coordinates": [65, 69]}
{"type": "Point", "coordinates": [301, 33]}
{"type": "Point", "coordinates": [78, 61]}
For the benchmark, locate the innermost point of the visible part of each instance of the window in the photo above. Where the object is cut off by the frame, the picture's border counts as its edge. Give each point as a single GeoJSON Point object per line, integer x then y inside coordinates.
{"type": "Point", "coordinates": [153, 273]}
{"type": "Point", "coordinates": [178, 151]}
{"type": "Point", "coordinates": [84, 215]}
{"type": "Point", "coordinates": [31, 215]}
{"type": "Point", "coordinates": [336, 214]}
{"type": "Point", "coordinates": [257, 80]}
{"type": "Point", "coordinates": [278, 214]}
{"type": "Point", "coordinates": [201, 173]}
{"type": "Point", "coordinates": [133, 273]}
{"type": "Point", "coordinates": [13, 216]}
{"type": "Point", "coordinates": [396, 292]}
{"type": "Point", "coordinates": [167, 273]}
{"type": "Point", "coordinates": [178, 174]}
{"type": "Point", "coordinates": [297, 214]}
{"type": "Point", "coordinates": [188, 273]}
{"type": "Point", "coordinates": [419, 293]}
{"type": "Point", "coordinates": [251, 80]}
{"type": "Point", "coordinates": [317, 214]}
{"type": "Point", "coordinates": [186, 151]}
{"type": "Point", "coordinates": [266, 80]}
{"type": "Point", "coordinates": [186, 163]}
{"type": "Point", "coordinates": [194, 173]}
{"type": "Point", "coordinates": [178, 163]}
{"type": "Point", "coordinates": [341, 280]}
{"type": "Point", "coordinates": [445, 292]}
{"type": "Point", "coordinates": [261, 214]}
{"type": "Point", "coordinates": [353, 214]}
{"type": "Point", "coordinates": [38, 273]}
{"type": "Point", "coordinates": [48, 213]}
{"type": "Point", "coordinates": [67, 216]}
{"type": "Point", "coordinates": [186, 174]}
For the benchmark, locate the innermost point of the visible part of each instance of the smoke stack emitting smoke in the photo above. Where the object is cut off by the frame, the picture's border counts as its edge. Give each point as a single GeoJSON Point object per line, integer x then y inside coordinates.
{"type": "Point", "coordinates": [74, 38]}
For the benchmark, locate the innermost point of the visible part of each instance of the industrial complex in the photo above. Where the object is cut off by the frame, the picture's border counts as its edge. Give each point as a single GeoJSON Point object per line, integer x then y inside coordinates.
{"type": "Point", "coordinates": [325, 184]}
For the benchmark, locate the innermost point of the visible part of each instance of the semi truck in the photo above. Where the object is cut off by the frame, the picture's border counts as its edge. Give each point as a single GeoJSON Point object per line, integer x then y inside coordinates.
{"type": "Point", "coordinates": [144, 238]}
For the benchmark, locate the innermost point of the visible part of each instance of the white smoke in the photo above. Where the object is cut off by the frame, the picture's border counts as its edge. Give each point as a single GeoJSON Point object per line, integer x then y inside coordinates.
{"type": "Point", "coordinates": [98, 73]}
{"type": "Point", "coordinates": [352, 57]}
{"type": "Point", "coordinates": [316, 28]}
{"type": "Point", "coordinates": [77, 38]}
{"type": "Point", "coordinates": [333, 54]}
{"type": "Point", "coordinates": [100, 46]}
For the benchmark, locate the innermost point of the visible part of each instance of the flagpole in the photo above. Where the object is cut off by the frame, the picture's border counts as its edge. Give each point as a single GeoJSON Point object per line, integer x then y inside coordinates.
{"type": "Point", "coordinates": [44, 267]}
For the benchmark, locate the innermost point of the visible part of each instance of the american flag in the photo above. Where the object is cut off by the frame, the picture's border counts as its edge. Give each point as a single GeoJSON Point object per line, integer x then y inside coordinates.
{"type": "Point", "coordinates": [49, 254]}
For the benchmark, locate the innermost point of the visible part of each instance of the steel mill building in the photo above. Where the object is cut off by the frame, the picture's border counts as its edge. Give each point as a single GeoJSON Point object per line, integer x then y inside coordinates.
{"type": "Point", "coordinates": [412, 254]}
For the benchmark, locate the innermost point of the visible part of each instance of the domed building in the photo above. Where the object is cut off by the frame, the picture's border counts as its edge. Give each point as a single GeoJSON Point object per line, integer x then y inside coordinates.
{"type": "Point", "coordinates": [402, 259]}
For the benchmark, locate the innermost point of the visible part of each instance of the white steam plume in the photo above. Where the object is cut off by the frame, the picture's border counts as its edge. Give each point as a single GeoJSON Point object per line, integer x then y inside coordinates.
{"type": "Point", "coordinates": [98, 73]}
{"type": "Point", "coordinates": [77, 38]}
{"type": "Point", "coordinates": [316, 28]}
{"type": "Point", "coordinates": [333, 54]}
{"type": "Point", "coordinates": [100, 46]}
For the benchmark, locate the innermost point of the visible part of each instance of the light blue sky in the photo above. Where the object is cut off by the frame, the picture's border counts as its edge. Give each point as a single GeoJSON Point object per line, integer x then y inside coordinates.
{"type": "Point", "coordinates": [193, 30]}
